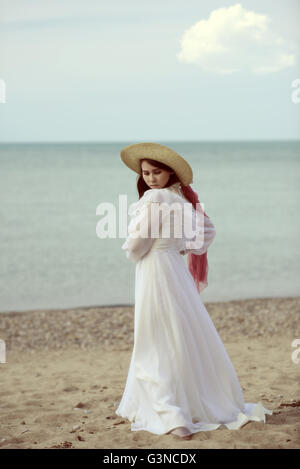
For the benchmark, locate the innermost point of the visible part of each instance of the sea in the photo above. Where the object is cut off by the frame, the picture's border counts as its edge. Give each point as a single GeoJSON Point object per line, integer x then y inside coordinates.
{"type": "Point", "coordinates": [50, 193]}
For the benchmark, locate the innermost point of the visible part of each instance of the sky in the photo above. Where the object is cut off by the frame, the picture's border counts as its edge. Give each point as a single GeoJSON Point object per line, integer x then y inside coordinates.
{"type": "Point", "coordinates": [115, 71]}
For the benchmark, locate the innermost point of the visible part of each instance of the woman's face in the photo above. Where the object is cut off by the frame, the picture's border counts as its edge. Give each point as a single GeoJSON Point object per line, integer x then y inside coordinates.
{"type": "Point", "coordinates": [154, 177]}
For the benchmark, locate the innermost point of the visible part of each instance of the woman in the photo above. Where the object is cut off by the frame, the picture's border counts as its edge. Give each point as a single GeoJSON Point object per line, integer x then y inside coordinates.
{"type": "Point", "coordinates": [180, 378]}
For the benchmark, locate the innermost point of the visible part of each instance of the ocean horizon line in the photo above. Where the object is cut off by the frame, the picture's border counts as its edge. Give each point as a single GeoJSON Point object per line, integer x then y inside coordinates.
{"type": "Point", "coordinates": [114, 142]}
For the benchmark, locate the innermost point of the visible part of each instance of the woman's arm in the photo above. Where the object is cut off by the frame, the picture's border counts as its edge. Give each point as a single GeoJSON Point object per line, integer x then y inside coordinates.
{"type": "Point", "coordinates": [139, 240]}
{"type": "Point", "coordinates": [209, 235]}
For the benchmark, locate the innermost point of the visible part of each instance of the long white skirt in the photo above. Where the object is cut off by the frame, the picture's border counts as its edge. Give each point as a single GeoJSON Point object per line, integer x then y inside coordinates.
{"type": "Point", "coordinates": [180, 374]}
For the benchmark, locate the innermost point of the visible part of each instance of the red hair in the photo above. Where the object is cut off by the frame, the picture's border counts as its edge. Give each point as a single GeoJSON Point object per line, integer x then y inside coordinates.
{"type": "Point", "coordinates": [197, 263]}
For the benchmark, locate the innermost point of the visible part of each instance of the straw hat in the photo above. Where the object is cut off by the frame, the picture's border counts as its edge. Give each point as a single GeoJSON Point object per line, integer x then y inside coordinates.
{"type": "Point", "coordinates": [132, 155]}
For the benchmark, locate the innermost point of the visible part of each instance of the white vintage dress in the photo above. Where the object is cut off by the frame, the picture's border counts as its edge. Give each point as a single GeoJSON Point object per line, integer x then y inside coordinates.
{"type": "Point", "coordinates": [180, 374]}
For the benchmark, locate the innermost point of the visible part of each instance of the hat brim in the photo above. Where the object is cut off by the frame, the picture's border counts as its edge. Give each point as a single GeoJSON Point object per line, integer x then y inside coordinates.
{"type": "Point", "coordinates": [132, 154]}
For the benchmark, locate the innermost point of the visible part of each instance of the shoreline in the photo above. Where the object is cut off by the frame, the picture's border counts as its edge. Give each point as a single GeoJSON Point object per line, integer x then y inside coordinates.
{"type": "Point", "coordinates": [124, 305]}
{"type": "Point", "coordinates": [84, 327]}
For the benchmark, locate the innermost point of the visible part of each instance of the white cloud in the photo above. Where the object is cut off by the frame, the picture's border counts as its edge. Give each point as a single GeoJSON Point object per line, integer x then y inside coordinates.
{"type": "Point", "coordinates": [234, 39]}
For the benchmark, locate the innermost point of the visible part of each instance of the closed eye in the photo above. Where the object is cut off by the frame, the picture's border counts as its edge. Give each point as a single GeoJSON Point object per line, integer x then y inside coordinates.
{"type": "Point", "coordinates": [155, 172]}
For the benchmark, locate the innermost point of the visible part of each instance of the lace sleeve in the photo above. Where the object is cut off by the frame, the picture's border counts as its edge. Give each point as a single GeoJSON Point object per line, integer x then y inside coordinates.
{"type": "Point", "coordinates": [207, 238]}
{"type": "Point", "coordinates": [139, 240]}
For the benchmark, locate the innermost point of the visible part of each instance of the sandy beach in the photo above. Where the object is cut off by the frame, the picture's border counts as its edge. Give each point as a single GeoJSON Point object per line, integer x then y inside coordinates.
{"type": "Point", "coordinates": [65, 373]}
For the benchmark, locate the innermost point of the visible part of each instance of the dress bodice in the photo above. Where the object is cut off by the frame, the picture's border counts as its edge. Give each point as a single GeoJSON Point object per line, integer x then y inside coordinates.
{"type": "Point", "coordinates": [172, 242]}
{"type": "Point", "coordinates": [165, 216]}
